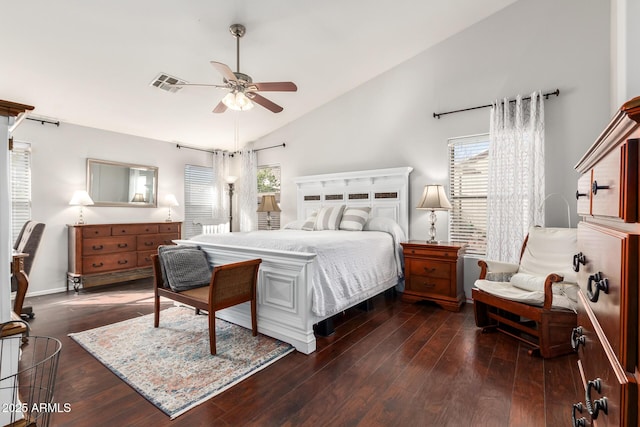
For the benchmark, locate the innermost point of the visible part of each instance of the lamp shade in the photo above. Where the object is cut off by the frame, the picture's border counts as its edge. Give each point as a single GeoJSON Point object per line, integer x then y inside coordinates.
{"type": "Point", "coordinates": [237, 101]}
{"type": "Point", "coordinates": [268, 204]}
{"type": "Point", "coordinates": [81, 198]}
{"type": "Point", "coordinates": [138, 198]}
{"type": "Point", "coordinates": [434, 198]}
{"type": "Point", "coordinates": [170, 200]}
{"type": "Point", "coordinates": [231, 179]}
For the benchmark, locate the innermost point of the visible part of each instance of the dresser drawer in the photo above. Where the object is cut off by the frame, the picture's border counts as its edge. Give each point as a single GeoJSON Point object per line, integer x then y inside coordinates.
{"type": "Point", "coordinates": [170, 227]}
{"type": "Point", "coordinates": [152, 241]}
{"type": "Point", "coordinates": [430, 268]}
{"type": "Point", "coordinates": [614, 183]}
{"type": "Point", "coordinates": [109, 262]}
{"type": "Point", "coordinates": [614, 384]}
{"type": "Point", "coordinates": [144, 258]}
{"type": "Point", "coordinates": [428, 286]}
{"type": "Point", "coordinates": [609, 257]}
{"type": "Point", "coordinates": [133, 229]}
{"type": "Point", "coordinates": [96, 231]}
{"type": "Point", "coordinates": [583, 194]}
{"type": "Point", "coordinates": [106, 245]}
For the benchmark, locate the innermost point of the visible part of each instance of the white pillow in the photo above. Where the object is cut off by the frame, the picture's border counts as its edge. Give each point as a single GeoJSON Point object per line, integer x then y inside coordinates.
{"type": "Point", "coordinates": [329, 218]}
{"type": "Point", "coordinates": [294, 225]}
{"type": "Point", "coordinates": [354, 218]}
{"type": "Point", "coordinates": [387, 225]}
{"type": "Point", "coordinates": [310, 222]}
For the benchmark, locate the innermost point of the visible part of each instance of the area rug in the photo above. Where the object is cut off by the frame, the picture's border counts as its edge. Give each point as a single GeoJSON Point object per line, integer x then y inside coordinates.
{"type": "Point", "coordinates": [171, 365]}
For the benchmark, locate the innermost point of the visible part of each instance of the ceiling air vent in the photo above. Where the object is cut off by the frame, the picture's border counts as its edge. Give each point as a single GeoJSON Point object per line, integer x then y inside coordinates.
{"type": "Point", "coordinates": [166, 82]}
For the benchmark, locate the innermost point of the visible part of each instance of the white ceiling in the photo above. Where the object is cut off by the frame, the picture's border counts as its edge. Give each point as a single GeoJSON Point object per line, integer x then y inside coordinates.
{"type": "Point", "coordinates": [91, 62]}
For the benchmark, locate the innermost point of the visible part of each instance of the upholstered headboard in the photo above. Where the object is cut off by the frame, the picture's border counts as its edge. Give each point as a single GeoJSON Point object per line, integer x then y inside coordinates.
{"type": "Point", "coordinates": [385, 191]}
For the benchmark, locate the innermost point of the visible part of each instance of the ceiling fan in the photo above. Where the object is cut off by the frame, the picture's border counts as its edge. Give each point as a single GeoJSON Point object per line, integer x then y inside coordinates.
{"type": "Point", "coordinates": [243, 92]}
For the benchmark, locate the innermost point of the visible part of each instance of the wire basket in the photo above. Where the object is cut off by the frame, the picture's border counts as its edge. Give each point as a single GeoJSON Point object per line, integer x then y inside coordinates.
{"type": "Point", "coordinates": [27, 395]}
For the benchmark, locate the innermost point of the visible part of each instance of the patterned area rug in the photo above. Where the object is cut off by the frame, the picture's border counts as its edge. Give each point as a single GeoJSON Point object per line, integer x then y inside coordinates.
{"type": "Point", "coordinates": [171, 365]}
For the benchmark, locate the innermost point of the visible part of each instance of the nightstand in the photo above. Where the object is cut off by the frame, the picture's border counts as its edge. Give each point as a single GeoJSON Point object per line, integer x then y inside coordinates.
{"type": "Point", "coordinates": [433, 272]}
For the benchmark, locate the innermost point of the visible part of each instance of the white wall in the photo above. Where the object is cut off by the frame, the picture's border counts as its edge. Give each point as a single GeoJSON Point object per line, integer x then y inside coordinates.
{"type": "Point", "coordinates": [59, 161]}
{"type": "Point", "coordinates": [388, 122]}
{"type": "Point", "coordinates": [625, 43]}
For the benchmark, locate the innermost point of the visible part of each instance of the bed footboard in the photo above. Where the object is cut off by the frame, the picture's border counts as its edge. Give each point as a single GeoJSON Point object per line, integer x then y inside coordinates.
{"type": "Point", "coordinates": [284, 292]}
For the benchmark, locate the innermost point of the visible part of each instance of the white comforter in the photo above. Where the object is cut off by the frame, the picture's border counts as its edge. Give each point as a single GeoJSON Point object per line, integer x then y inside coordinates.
{"type": "Point", "coordinates": [350, 265]}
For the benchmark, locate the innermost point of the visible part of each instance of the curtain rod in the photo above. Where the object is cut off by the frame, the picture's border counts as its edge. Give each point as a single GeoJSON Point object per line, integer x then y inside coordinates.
{"type": "Point", "coordinates": [546, 96]}
{"type": "Point", "coordinates": [232, 153]}
{"type": "Point", "coordinates": [43, 121]}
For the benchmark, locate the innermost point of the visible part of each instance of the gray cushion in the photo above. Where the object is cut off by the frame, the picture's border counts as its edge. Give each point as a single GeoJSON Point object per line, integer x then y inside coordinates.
{"type": "Point", "coordinates": [184, 267]}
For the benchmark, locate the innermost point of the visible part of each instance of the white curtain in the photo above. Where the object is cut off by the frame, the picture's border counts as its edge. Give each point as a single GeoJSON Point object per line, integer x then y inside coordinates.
{"type": "Point", "coordinates": [220, 189]}
{"type": "Point", "coordinates": [248, 191]}
{"type": "Point", "coordinates": [516, 175]}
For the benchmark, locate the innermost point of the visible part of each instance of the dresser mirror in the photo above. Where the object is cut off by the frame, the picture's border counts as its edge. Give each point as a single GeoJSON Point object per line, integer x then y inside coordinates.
{"type": "Point", "coordinates": [122, 184]}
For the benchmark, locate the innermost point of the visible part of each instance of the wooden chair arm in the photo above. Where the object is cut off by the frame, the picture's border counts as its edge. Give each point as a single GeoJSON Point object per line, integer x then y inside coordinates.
{"type": "Point", "coordinates": [487, 266]}
{"type": "Point", "coordinates": [548, 289]}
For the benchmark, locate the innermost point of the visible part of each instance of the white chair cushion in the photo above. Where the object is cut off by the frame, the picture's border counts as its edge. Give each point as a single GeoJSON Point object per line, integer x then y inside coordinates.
{"type": "Point", "coordinates": [550, 250]}
{"type": "Point", "coordinates": [565, 298]}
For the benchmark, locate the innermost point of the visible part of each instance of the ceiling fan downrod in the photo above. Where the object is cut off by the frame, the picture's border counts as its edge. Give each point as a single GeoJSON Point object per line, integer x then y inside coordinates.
{"type": "Point", "coordinates": [237, 31]}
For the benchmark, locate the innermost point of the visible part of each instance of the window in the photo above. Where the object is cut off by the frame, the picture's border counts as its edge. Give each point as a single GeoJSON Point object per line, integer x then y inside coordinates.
{"type": "Point", "coordinates": [20, 165]}
{"type": "Point", "coordinates": [198, 198]}
{"type": "Point", "coordinates": [468, 172]}
{"type": "Point", "coordinates": [268, 183]}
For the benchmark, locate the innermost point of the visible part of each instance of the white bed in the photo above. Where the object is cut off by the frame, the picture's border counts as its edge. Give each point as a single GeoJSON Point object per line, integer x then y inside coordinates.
{"type": "Point", "coordinates": [298, 265]}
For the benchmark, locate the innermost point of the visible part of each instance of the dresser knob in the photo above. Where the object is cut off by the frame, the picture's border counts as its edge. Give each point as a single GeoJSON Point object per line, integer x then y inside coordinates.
{"type": "Point", "coordinates": [577, 260]}
{"type": "Point", "coordinates": [122, 261]}
{"type": "Point", "coordinates": [577, 338]}
{"type": "Point", "coordinates": [595, 187]}
{"type": "Point", "coordinates": [579, 194]}
{"type": "Point", "coordinates": [97, 265]}
{"type": "Point", "coordinates": [122, 245]}
{"type": "Point", "coordinates": [597, 405]}
{"type": "Point", "coordinates": [577, 422]}
{"type": "Point", "coordinates": [601, 284]}
{"type": "Point", "coordinates": [97, 247]}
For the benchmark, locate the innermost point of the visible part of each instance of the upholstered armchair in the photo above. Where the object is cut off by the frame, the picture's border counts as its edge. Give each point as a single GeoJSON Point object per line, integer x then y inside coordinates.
{"type": "Point", "coordinates": [534, 300]}
{"type": "Point", "coordinates": [27, 242]}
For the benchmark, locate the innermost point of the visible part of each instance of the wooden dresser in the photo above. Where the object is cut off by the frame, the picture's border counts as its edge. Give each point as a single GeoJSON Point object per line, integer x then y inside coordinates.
{"type": "Point", "coordinates": [101, 254]}
{"type": "Point", "coordinates": [433, 272]}
{"type": "Point", "coordinates": [607, 335]}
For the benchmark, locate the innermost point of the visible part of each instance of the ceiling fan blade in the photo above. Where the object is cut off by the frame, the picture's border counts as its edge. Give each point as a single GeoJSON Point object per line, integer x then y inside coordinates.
{"type": "Point", "coordinates": [224, 70]}
{"type": "Point", "coordinates": [220, 108]}
{"type": "Point", "coordinates": [276, 86]}
{"type": "Point", "coordinates": [269, 105]}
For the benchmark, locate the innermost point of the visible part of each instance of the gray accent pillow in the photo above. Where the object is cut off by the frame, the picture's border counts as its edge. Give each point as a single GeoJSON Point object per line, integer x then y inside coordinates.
{"type": "Point", "coordinates": [329, 218]}
{"type": "Point", "coordinates": [184, 267]}
{"type": "Point", "coordinates": [310, 222]}
{"type": "Point", "coordinates": [354, 218]}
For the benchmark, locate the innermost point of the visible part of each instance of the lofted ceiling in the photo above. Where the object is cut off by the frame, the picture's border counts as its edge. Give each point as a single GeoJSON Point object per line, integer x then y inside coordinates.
{"type": "Point", "coordinates": [91, 63]}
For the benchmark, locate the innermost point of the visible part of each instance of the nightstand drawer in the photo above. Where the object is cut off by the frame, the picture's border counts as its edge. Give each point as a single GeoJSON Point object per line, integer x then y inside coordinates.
{"type": "Point", "coordinates": [428, 285]}
{"type": "Point", "coordinates": [430, 268]}
{"type": "Point", "coordinates": [430, 253]}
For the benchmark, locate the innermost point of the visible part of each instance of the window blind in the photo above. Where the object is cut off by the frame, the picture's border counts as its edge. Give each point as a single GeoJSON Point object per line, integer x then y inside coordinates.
{"type": "Point", "coordinates": [20, 165]}
{"type": "Point", "coordinates": [468, 173]}
{"type": "Point", "coordinates": [198, 198]}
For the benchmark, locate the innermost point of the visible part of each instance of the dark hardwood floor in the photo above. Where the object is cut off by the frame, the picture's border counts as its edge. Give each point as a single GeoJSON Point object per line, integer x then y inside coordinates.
{"type": "Point", "coordinates": [399, 364]}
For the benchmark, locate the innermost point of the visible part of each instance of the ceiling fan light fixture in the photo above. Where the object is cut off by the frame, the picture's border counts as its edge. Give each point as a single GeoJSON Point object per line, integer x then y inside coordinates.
{"type": "Point", "coordinates": [237, 101]}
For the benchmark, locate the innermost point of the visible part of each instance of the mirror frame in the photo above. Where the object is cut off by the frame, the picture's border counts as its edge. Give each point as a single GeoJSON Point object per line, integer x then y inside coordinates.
{"type": "Point", "coordinates": [154, 189]}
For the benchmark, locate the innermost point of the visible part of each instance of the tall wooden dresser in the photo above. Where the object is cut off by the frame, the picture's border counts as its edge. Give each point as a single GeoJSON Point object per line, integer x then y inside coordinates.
{"type": "Point", "coordinates": [607, 335]}
{"type": "Point", "coordinates": [101, 254]}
